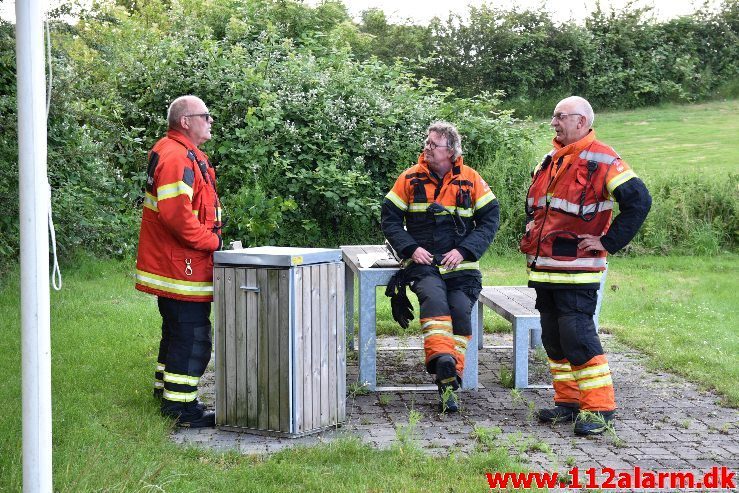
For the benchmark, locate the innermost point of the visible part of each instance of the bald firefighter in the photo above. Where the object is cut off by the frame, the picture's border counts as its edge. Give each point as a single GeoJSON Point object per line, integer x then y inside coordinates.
{"type": "Point", "coordinates": [568, 235]}
{"type": "Point", "coordinates": [180, 230]}
{"type": "Point", "coordinates": [440, 217]}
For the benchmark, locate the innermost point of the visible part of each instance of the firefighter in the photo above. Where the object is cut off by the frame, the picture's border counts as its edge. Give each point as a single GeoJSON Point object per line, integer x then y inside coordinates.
{"type": "Point", "coordinates": [441, 216]}
{"type": "Point", "coordinates": [568, 235]}
{"type": "Point", "coordinates": [180, 230]}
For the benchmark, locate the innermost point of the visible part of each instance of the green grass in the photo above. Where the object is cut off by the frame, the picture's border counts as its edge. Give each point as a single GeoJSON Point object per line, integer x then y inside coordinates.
{"type": "Point", "coordinates": [107, 432]}
{"type": "Point", "coordinates": [659, 141]}
{"type": "Point", "coordinates": [683, 312]}
{"type": "Point", "coordinates": [108, 436]}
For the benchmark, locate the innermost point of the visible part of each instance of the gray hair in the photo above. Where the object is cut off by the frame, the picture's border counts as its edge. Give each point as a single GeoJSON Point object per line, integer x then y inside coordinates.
{"type": "Point", "coordinates": [451, 134]}
{"type": "Point", "coordinates": [178, 109]}
{"type": "Point", "coordinates": [583, 107]}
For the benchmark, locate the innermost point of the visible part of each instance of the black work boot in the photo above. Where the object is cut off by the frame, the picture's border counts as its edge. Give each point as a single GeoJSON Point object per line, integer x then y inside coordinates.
{"type": "Point", "coordinates": [206, 419]}
{"type": "Point", "coordinates": [557, 414]}
{"type": "Point", "coordinates": [448, 383]}
{"type": "Point", "coordinates": [593, 422]}
{"type": "Point", "coordinates": [189, 415]}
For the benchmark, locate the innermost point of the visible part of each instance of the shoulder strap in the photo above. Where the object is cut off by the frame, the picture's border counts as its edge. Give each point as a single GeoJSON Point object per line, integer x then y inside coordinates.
{"type": "Point", "coordinates": [202, 166]}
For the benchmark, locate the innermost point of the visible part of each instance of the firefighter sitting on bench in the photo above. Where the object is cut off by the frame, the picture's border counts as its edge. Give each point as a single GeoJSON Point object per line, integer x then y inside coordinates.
{"type": "Point", "coordinates": [450, 218]}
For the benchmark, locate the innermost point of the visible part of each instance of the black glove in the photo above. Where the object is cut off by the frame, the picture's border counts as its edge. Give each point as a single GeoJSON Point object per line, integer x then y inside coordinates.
{"type": "Point", "coordinates": [399, 302]}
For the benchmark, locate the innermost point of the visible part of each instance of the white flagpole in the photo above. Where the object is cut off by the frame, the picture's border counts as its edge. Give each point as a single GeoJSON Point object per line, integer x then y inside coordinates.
{"type": "Point", "coordinates": [34, 246]}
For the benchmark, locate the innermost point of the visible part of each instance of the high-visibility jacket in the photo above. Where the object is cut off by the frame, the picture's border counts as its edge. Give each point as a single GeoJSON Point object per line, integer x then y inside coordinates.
{"type": "Point", "coordinates": [458, 211]}
{"type": "Point", "coordinates": [180, 222]}
{"type": "Point", "coordinates": [572, 193]}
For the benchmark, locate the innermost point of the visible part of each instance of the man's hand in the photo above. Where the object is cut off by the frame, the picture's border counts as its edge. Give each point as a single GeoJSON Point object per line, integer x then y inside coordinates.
{"type": "Point", "coordinates": [422, 256]}
{"type": "Point", "coordinates": [590, 243]}
{"type": "Point", "coordinates": [452, 259]}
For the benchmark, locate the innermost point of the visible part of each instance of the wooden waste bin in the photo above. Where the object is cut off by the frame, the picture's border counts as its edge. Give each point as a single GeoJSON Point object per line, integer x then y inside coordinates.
{"type": "Point", "coordinates": [279, 340]}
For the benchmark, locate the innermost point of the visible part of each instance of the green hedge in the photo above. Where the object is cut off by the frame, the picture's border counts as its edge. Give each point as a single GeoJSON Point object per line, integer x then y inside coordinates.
{"type": "Point", "coordinates": [693, 214]}
{"type": "Point", "coordinates": [307, 139]}
{"type": "Point", "coordinates": [617, 59]}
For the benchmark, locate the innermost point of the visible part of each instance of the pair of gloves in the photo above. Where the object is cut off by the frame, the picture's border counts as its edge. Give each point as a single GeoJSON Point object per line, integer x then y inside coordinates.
{"type": "Point", "coordinates": [399, 302]}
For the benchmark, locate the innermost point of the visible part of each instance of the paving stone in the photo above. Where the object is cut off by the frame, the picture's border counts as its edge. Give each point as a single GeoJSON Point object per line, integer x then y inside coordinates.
{"type": "Point", "coordinates": [663, 422]}
{"type": "Point", "coordinates": [662, 437]}
{"type": "Point", "coordinates": [686, 452]}
{"type": "Point", "coordinates": [650, 464]}
{"type": "Point", "coordinates": [654, 451]}
{"type": "Point", "coordinates": [702, 464]}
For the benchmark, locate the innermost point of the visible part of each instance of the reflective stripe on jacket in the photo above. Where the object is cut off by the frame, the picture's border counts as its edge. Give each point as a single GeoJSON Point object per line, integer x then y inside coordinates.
{"type": "Point", "coordinates": [181, 214]}
{"type": "Point", "coordinates": [458, 211]}
{"type": "Point", "coordinates": [571, 194]}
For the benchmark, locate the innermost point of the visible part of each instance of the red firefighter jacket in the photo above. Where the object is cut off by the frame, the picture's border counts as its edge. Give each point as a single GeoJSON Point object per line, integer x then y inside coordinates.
{"type": "Point", "coordinates": [179, 223]}
{"type": "Point", "coordinates": [458, 211]}
{"type": "Point", "coordinates": [572, 193]}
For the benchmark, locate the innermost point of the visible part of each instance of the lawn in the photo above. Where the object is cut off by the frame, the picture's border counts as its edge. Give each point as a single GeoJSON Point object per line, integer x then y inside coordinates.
{"type": "Point", "coordinates": [107, 432]}
{"type": "Point", "coordinates": [658, 141]}
{"type": "Point", "coordinates": [681, 311]}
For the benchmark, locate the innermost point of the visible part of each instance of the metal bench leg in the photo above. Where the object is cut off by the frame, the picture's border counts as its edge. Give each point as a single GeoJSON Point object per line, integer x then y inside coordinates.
{"type": "Point", "coordinates": [535, 335]}
{"type": "Point", "coordinates": [367, 334]}
{"type": "Point", "coordinates": [520, 354]}
{"type": "Point", "coordinates": [480, 325]}
{"type": "Point", "coordinates": [349, 302]}
{"type": "Point", "coordinates": [601, 292]}
{"type": "Point", "coordinates": [469, 379]}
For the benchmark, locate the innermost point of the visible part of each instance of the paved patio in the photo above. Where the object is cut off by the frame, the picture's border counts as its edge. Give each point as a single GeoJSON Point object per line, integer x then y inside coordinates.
{"type": "Point", "coordinates": [663, 422]}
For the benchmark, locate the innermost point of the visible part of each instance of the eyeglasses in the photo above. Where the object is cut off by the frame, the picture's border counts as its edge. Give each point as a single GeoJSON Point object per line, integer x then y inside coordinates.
{"type": "Point", "coordinates": [561, 116]}
{"type": "Point", "coordinates": [432, 145]}
{"type": "Point", "coordinates": [206, 116]}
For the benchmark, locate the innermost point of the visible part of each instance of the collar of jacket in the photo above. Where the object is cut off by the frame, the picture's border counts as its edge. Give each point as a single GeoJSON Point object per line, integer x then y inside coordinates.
{"type": "Point", "coordinates": [567, 152]}
{"type": "Point", "coordinates": [574, 148]}
{"type": "Point", "coordinates": [455, 171]}
{"type": "Point", "coordinates": [180, 137]}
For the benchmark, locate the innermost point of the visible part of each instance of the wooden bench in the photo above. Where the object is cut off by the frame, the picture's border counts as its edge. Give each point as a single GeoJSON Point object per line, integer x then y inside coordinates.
{"type": "Point", "coordinates": [516, 304]}
{"type": "Point", "coordinates": [369, 279]}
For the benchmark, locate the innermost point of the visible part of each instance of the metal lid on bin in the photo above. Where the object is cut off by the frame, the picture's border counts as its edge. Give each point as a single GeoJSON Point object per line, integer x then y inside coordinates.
{"type": "Point", "coordinates": [272, 256]}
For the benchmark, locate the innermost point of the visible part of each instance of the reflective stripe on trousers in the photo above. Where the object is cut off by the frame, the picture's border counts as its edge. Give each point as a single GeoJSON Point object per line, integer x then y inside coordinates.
{"type": "Point", "coordinates": [184, 349]}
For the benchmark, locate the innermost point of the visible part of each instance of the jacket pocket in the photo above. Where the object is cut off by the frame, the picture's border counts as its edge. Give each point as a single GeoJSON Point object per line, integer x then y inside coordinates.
{"type": "Point", "coordinates": [564, 248]}
{"type": "Point", "coordinates": [560, 245]}
{"type": "Point", "coordinates": [209, 218]}
{"type": "Point", "coordinates": [192, 263]}
{"type": "Point", "coordinates": [585, 189]}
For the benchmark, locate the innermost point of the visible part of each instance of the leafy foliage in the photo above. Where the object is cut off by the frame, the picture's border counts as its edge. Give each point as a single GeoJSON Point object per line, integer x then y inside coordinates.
{"type": "Point", "coordinates": [617, 59]}
{"type": "Point", "coordinates": [8, 143]}
{"type": "Point", "coordinates": [316, 115]}
{"type": "Point", "coordinates": [692, 214]}
{"type": "Point", "coordinates": [307, 139]}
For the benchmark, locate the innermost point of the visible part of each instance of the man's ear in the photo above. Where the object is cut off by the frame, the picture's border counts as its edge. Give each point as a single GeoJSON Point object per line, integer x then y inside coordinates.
{"type": "Point", "coordinates": [184, 125]}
